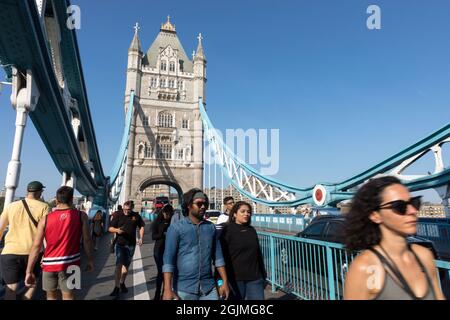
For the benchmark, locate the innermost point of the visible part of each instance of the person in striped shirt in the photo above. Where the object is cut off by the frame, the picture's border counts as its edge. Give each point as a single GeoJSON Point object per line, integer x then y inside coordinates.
{"type": "Point", "coordinates": [62, 230]}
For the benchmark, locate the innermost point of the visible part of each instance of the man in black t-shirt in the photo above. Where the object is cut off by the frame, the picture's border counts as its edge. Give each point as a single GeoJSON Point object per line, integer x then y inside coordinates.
{"type": "Point", "coordinates": [124, 226]}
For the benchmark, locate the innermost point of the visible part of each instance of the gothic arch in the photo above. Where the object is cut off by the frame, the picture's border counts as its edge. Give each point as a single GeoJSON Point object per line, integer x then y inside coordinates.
{"type": "Point", "coordinates": [164, 181]}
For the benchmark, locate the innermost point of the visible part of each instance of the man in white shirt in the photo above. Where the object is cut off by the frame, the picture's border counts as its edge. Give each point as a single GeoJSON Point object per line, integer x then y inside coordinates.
{"type": "Point", "coordinates": [223, 218]}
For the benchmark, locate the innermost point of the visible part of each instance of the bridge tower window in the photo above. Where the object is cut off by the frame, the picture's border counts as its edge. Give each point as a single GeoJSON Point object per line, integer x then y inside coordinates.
{"type": "Point", "coordinates": [172, 66]}
{"type": "Point", "coordinates": [145, 121]}
{"type": "Point", "coordinates": [148, 152]}
{"type": "Point", "coordinates": [164, 151]}
{"type": "Point", "coordinates": [165, 120]}
{"type": "Point", "coordinates": [163, 65]}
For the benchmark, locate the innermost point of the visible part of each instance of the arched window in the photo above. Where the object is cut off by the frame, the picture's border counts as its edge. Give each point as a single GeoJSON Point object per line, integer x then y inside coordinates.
{"type": "Point", "coordinates": [172, 66]}
{"type": "Point", "coordinates": [165, 119]}
{"type": "Point", "coordinates": [164, 151]}
{"type": "Point", "coordinates": [145, 121]}
{"type": "Point", "coordinates": [148, 151]}
{"type": "Point", "coordinates": [153, 83]}
{"type": "Point", "coordinates": [171, 83]}
{"type": "Point", "coordinates": [181, 85]}
{"type": "Point", "coordinates": [163, 65]}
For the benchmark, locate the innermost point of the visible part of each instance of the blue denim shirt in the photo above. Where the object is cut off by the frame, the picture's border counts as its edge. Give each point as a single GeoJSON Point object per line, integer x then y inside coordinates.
{"type": "Point", "coordinates": [189, 254]}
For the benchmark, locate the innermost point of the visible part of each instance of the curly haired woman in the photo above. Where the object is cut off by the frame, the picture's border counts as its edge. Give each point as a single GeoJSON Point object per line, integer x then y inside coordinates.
{"type": "Point", "coordinates": [382, 216]}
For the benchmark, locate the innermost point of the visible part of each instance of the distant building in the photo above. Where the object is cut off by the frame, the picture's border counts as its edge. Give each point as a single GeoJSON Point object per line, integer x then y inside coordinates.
{"type": "Point", "coordinates": [430, 210]}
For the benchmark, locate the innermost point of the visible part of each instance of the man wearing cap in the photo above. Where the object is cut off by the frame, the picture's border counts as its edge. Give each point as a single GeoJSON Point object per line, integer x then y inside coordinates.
{"type": "Point", "coordinates": [22, 218]}
{"type": "Point", "coordinates": [192, 247]}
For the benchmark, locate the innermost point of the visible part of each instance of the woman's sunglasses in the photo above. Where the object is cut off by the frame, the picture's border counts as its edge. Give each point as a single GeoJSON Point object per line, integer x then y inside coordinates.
{"type": "Point", "coordinates": [400, 206]}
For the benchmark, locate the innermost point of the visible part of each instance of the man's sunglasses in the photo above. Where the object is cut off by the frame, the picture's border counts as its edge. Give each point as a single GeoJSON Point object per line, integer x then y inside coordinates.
{"type": "Point", "coordinates": [201, 204]}
{"type": "Point", "coordinates": [400, 206]}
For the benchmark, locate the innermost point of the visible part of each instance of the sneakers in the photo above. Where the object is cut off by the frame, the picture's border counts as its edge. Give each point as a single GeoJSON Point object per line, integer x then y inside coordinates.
{"type": "Point", "coordinates": [115, 292]}
{"type": "Point", "coordinates": [123, 289]}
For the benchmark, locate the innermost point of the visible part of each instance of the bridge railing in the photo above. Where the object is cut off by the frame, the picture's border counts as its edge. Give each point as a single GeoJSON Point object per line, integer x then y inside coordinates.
{"type": "Point", "coordinates": [311, 269]}
{"type": "Point", "coordinates": [439, 233]}
{"type": "Point", "coordinates": [280, 222]}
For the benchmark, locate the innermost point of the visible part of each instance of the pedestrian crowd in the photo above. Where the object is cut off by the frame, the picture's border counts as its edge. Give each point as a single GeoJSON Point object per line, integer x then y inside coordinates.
{"type": "Point", "coordinates": [199, 260]}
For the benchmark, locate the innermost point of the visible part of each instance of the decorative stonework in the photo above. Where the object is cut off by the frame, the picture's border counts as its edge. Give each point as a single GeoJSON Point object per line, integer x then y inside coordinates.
{"type": "Point", "coordinates": [168, 149]}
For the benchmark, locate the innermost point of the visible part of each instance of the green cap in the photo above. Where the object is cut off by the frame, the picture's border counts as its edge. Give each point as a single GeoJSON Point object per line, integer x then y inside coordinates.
{"type": "Point", "coordinates": [34, 186]}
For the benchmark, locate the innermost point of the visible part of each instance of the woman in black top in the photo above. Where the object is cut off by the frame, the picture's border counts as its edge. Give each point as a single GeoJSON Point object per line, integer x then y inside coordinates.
{"type": "Point", "coordinates": [159, 230]}
{"type": "Point", "coordinates": [243, 258]}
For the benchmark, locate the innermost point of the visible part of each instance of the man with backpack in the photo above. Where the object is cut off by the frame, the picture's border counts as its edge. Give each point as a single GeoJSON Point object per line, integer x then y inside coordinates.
{"type": "Point", "coordinates": [22, 217]}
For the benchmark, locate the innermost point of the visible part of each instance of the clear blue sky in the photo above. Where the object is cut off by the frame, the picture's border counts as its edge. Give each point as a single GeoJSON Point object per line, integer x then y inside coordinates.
{"type": "Point", "coordinates": [344, 97]}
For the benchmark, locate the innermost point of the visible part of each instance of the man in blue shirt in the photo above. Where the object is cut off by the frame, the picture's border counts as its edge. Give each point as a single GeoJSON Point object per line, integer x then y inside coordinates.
{"type": "Point", "coordinates": [192, 247]}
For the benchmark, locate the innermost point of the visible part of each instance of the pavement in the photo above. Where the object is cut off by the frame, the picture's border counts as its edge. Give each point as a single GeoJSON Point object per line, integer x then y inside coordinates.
{"type": "Point", "coordinates": [141, 280]}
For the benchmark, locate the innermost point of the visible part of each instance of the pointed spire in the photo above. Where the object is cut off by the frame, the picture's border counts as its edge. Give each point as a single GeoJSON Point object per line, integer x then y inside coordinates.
{"type": "Point", "coordinates": [200, 53]}
{"type": "Point", "coordinates": [168, 26]}
{"type": "Point", "coordinates": [136, 43]}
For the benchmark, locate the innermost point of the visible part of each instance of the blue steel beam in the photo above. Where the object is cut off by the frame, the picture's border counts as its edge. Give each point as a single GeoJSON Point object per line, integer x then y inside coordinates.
{"type": "Point", "coordinates": [336, 192]}
{"type": "Point", "coordinates": [23, 44]}
{"type": "Point", "coordinates": [74, 79]}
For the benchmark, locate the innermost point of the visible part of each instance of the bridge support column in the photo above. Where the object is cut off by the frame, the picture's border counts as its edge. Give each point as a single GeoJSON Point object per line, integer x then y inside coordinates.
{"type": "Point", "coordinates": [24, 98]}
{"type": "Point", "coordinates": [68, 180]}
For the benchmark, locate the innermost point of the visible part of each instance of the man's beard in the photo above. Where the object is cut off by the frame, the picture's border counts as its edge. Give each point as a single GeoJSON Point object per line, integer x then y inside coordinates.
{"type": "Point", "coordinates": [198, 214]}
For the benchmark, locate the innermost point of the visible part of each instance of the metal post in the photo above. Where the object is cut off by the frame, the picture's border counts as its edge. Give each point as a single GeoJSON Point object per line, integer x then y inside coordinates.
{"type": "Point", "coordinates": [24, 98]}
{"type": "Point", "coordinates": [445, 203]}
{"type": "Point", "coordinates": [330, 273]}
{"type": "Point", "coordinates": [69, 180]}
{"type": "Point", "coordinates": [272, 262]}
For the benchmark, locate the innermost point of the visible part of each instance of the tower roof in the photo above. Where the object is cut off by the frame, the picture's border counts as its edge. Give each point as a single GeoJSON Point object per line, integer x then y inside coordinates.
{"type": "Point", "coordinates": [168, 37]}
{"type": "Point", "coordinates": [200, 53]}
{"type": "Point", "coordinates": [136, 43]}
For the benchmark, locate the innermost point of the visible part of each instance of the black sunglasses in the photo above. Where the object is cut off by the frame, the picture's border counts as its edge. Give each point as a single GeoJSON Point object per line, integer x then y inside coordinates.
{"type": "Point", "coordinates": [201, 204]}
{"type": "Point", "coordinates": [400, 206]}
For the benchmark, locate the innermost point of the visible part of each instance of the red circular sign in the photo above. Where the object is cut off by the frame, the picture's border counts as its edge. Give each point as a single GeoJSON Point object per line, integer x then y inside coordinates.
{"type": "Point", "coordinates": [319, 195]}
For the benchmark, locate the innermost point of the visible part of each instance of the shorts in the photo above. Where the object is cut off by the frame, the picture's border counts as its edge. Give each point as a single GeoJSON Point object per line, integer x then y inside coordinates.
{"type": "Point", "coordinates": [14, 267]}
{"type": "Point", "coordinates": [124, 255]}
{"type": "Point", "coordinates": [52, 281]}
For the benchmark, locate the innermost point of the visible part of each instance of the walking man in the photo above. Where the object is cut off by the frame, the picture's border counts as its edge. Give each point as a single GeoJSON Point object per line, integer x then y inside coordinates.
{"type": "Point", "coordinates": [223, 218]}
{"type": "Point", "coordinates": [62, 230]}
{"type": "Point", "coordinates": [192, 247]}
{"type": "Point", "coordinates": [22, 217]}
{"type": "Point", "coordinates": [124, 226]}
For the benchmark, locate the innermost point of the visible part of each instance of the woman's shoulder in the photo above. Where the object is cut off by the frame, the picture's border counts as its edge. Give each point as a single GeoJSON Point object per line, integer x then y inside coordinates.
{"type": "Point", "coordinates": [365, 277]}
{"type": "Point", "coordinates": [364, 261]}
{"type": "Point", "coordinates": [425, 255]}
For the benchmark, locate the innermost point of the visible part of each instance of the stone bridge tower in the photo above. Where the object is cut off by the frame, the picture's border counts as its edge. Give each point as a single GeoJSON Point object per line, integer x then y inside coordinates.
{"type": "Point", "coordinates": [166, 139]}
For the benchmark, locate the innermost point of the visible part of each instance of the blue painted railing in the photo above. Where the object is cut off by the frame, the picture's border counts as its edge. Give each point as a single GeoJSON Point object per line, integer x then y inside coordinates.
{"type": "Point", "coordinates": [311, 269]}
{"type": "Point", "coordinates": [439, 233]}
{"type": "Point", "coordinates": [291, 223]}
{"type": "Point", "coordinates": [148, 216]}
